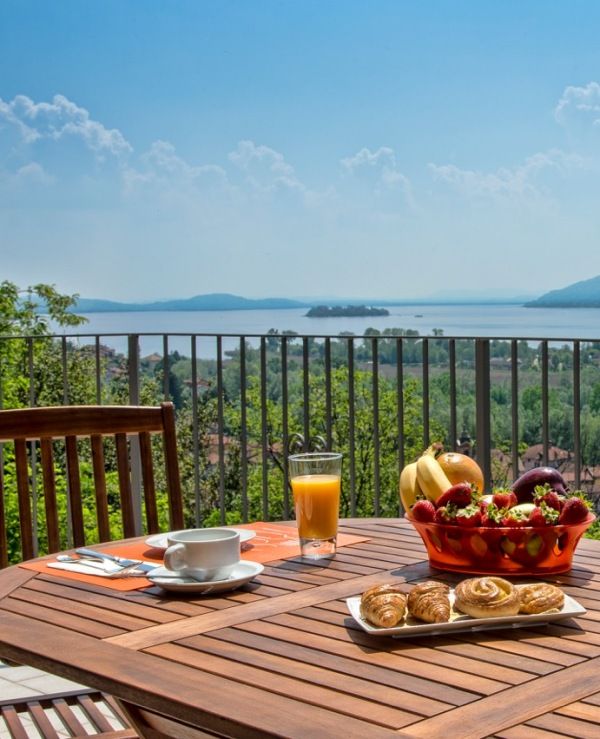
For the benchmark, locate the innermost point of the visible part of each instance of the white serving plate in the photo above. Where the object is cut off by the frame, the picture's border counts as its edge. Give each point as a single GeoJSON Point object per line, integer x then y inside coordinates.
{"type": "Point", "coordinates": [461, 622]}
{"type": "Point", "coordinates": [243, 572]}
{"type": "Point", "coordinates": [159, 541]}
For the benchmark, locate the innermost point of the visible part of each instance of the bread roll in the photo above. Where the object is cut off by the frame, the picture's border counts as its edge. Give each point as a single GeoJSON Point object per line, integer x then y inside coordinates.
{"type": "Point", "coordinates": [487, 597]}
{"type": "Point", "coordinates": [540, 597]}
{"type": "Point", "coordinates": [429, 601]}
{"type": "Point", "coordinates": [383, 605]}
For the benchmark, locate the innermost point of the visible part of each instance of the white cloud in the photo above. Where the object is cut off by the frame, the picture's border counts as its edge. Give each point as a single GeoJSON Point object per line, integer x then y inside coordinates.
{"type": "Point", "coordinates": [505, 182]}
{"type": "Point", "coordinates": [265, 168]}
{"type": "Point", "coordinates": [29, 174]}
{"type": "Point", "coordinates": [33, 172]}
{"type": "Point", "coordinates": [161, 165]}
{"type": "Point", "coordinates": [382, 164]}
{"type": "Point", "coordinates": [384, 157]}
{"type": "Point", "coordinates": [58, 119]}
{"type": "Point", "coordinates": [580, 102]}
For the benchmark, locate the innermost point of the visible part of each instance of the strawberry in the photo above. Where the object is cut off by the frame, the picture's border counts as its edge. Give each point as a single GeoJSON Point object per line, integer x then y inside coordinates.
{"type": "Point", "coordinates": [504, 498]}
{"type": "Point", "coordinates": [574, 511]}
{"type": "Point", "coordinates": [516, 519]}
{"type": "Point", "coordinates": [545, 494]}
{"type": "Point", "coordinates": [423, 510]}
{"type": "Point", "coordinates": [460, 495]}
{"type": "Point", "coordinates": [543, 515]}
{"type": "Point", "coordinates": [469, 516]}
{"type": "Point", "coordinates": [491, 515]}
{"type": "Point", "coordinates": [446, 514]}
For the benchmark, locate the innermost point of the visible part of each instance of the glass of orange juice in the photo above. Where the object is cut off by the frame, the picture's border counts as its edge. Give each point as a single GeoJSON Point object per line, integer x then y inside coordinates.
{"type": "Point", "coordinates": [315, 478]}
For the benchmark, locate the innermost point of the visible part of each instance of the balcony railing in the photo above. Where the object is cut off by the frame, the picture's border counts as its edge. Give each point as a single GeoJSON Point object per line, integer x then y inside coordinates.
{"type": "Point", "coordinates": [250, 400]}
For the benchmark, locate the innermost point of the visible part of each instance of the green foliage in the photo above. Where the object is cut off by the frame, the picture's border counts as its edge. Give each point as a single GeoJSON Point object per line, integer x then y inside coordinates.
{"type": "Point", "coordinates": [242, 476]}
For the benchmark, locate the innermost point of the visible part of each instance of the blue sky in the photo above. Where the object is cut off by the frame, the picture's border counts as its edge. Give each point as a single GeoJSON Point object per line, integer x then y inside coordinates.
{"type": "Point", "coordinates": [382, 149]}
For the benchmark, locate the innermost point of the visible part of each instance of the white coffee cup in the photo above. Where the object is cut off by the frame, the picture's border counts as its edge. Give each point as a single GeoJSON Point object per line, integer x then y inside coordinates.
{"type": "Point", "coordinates": [204, 554]}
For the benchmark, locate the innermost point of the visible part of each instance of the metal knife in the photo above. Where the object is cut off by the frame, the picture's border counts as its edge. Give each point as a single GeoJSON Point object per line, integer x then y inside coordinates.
{"type": "Point", "coordinates": [123, 561]}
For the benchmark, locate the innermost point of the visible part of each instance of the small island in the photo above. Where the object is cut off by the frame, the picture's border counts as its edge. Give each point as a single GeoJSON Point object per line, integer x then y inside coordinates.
{"type": "Point", "coordinates": [348, 311]}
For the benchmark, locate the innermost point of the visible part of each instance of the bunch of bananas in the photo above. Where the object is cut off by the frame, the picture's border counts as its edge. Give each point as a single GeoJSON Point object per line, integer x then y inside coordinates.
{"type": "Point", "coordinates": [425, 477]}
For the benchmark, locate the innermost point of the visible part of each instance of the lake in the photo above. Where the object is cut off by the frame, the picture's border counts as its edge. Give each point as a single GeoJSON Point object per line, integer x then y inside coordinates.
{"type": "Point", "coordinates": [501, 321]}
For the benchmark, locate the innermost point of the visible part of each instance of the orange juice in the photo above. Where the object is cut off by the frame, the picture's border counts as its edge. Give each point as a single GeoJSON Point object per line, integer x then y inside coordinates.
{"type": "Point", "coordinates": [317, 502]}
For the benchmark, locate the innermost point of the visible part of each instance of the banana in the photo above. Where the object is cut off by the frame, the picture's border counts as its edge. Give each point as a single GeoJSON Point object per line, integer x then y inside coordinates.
{"type": "Point", "coordinates": [409, 486]}
{"type": "Point", "coordinates": [430, 476]}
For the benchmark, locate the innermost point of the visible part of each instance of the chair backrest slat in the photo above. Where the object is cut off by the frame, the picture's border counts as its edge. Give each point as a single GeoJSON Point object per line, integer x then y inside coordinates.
{"type": "Point", "coordinates": [75, 491]}
{"type": "Point", "coordinates": [3, 532]}
{"type": "Point", "coordinates": [127, 512]}
{"type": "Point", "coordinates": [74, 424]}
{"type": "Point", "coordinates": [172, 467]}
{"type": "Point", "coordinates": [25, 519]}
{"type": "Point", "coordinates": [68, 717]}
{"type": "Point", "coordinates": [148, 482]}
{"type": "Point", "coordinates": [16, 728]}
{"type": "Point", "coordinates": [50, 494]}
{"type": "Point", "coordinates": [41, 721]}
{"type": "Point", "coordinates": [100, 488]}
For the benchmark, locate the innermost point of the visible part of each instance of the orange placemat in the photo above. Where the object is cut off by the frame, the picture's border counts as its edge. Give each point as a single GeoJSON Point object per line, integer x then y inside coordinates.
{"type": "Point", "coordinates": [126, 583]}
{"type": "Point", "coordinates": [278, 541]}
{"type": "Point", "coordinates": [272, 541]}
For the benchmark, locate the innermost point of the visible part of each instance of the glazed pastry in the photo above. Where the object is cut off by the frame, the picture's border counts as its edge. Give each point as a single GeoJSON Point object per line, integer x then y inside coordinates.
{"type": "Point", "coordinates": [383, 605]}
{"type": "Point", "coordinates": [540, 597]}
{"type": "Point", "coordinates": [429, 601]}
{"type": "Point", "coordinates": [486, 597]}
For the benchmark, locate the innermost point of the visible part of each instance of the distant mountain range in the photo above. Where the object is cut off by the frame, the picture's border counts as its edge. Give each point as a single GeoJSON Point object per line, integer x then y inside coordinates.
{"type": "Point", "coordinates": [584, 294]}
{"type": "Point", "coordinates": [214, 301]}
{"type": "Point", "coordinates": [225, 302]}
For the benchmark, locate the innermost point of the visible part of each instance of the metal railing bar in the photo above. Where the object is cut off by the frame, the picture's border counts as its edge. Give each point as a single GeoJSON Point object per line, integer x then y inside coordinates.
{"type": "Point", "coordinates": [577, 412]}
{"type": "Point", "coordinates": [64, 367]}
{"type": "Point", "coordinates": [545, 414]}
{"type": "Point", "coordinates": [263, 427]}
{"type": "Point", "coordinates": [243, 430]}
{"type": "Point", "coordinates": [133, 361]}
{"type": "Point", "coordinates": [328, 399]}
{"type": "Point", "coordinates": [166, 368]}
{"type": "Point", "coordinates": [425, 375]}
{"type": "Point", "coordinates": [376, 444]}
{"type": "Point", "coordinates": [285, 426]}
{"type": "Point", "coordinates": [195, 433]}
{"type": "Point", "coordinates": [514, 394]}
{"type": "Point", "coordinates": [400, 410]}
{"type": "Point", "coordinates": [482, 403]}
{"type": "Point", "coordinates": [306, 390]}
{"type": "Point", "coordinates": [98, 371]}
{"type": "Point", "coordinates": [452, 378]}
{"type": "Point", "coordinates": [34, 492]}
{"type": "Point", "coordinates": [220, 430]}
{"type": "Point", "coordinates": [351, 429]}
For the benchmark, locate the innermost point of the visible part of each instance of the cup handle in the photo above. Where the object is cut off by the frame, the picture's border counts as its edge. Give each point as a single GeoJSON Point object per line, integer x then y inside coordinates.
{"type": "Point", "coordinates": [174, 557]}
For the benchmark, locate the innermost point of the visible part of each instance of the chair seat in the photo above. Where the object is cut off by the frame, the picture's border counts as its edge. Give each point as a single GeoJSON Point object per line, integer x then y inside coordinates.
{"type": "Point", "coordinates": [70, 714]}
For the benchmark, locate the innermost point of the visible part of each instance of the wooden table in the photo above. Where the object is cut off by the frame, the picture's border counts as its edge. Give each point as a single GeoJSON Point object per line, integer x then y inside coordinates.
{"type": "Point", "coordinates": [282, 657]}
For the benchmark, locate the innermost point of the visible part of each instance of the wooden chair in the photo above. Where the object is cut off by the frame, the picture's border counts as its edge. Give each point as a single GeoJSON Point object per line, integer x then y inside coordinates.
{"type": "Point", "coordinates": [69, 424]}
{"type": "Point", "coordinates": [72, 714]}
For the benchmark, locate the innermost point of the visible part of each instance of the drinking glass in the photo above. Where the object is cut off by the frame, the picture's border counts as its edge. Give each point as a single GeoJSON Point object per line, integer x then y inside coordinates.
{"type": "Point", "coordinates": [315, 478]}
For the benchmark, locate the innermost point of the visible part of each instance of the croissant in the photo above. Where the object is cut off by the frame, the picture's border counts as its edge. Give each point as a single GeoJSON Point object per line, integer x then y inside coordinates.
{"type": "Point", "coordinates": [429, 601]}
{"type": "Point", "coordinates": [485, 597]}
{"type": "Point", "coordinates": [540, 597]}
{"type": "Point", "coordinates": [383, 605]}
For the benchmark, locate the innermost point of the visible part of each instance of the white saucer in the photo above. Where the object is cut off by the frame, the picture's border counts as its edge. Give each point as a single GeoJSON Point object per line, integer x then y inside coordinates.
{"type": "Point", "coordinates": [159, 541]}
{"type": "Point", "coordinates": [243, 572]}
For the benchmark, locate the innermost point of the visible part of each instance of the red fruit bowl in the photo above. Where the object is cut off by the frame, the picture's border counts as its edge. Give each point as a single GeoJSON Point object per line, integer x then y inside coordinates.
{"type": "Point", "coordinates": [502, 550]}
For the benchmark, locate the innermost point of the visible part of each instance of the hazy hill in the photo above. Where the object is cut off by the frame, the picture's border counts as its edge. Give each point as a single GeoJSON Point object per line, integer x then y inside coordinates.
{"type": "Point", "coordinates": [226, 301]}
{"type": "Point", "coordinates": [584, 294]}
{"type": "Point", "coordinates": [214, 301]}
